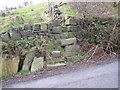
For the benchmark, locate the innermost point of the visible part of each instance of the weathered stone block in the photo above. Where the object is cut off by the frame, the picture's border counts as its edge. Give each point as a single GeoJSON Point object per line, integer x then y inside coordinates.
{"type": "Point", "coordinates": [28, 27]}
{"type": "Point", "coordinates": [5, 37]}
{"type": "Point", "coordinates": [36, 26]}
{"type": "Point", "coordinates": [26, 33]}
{"type": "Point", "coordinates": [44, 26]}
{"type": "Point", "coordinates": [56, 30]}
{"type": "Point", "coordinates": [71, 21]}
{"type": "Point", "coordinates": [64, 29]}
{"type": "Point", "coordinates": [72, 48]}
{"type": "Point", "coordinates": [16, 36]}
{"type": "Point", "coordinates": [56, 54]}
{"type": "Point", "coordinates": [56, 23]}
{"type": "Point", "coordinates": [9, 66]}
{"type": "Point", "coordinates": [50, 26]}
{"type": "Point", "coordinates": [37, 64]}
{"type": "Point", "coordinates": [29, 59]}
{"type": "Point", "coordinates": [69, 41]}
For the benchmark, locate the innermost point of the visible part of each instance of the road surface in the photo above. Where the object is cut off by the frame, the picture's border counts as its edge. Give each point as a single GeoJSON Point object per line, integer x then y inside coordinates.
{"type": "Point", "coordinates": [99, 76]}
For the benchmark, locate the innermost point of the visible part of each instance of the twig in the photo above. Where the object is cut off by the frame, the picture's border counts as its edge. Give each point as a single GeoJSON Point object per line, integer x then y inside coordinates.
{"type": "Point", "coordinates": [111, 36]}
{"type": "Point", "coordinates": [88, 52]}
{"type": "Point", "coordinates": [93, 52]}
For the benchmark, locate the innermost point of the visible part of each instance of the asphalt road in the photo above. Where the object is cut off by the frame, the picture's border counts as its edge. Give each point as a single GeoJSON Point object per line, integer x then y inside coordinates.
{"type": "Point", "coordinates": [99, 76]}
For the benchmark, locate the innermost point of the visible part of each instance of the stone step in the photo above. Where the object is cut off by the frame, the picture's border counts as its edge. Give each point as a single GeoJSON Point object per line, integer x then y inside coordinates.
{"type": "Point", "coordinates": [70, 41]}
{"type": "Point", "coordinates": [56, 65]}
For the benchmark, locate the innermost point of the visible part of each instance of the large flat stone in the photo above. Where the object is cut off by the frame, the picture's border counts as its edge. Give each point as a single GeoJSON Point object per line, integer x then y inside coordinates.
{"type": "Point", "coordinates": [57, 30]}
{"type": "Point", "coordinates": [37, 64]}
{"type": "Point", "coordinates": [56, 54]}
{"type": "Point", "coordinates": [9, 66]}
{"type": "Point", "coordinates": [29, 59]}
{"type": "Point", "coordinates": [70, 41]}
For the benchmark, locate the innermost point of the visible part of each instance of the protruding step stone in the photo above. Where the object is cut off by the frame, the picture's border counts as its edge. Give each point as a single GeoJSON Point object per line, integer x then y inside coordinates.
{"type": "Point", "coordinates": [56, 54]}
{"type": "Point", "coordinates": [56, 65]}
{"type": "Point", "coordinates": [69, 41]}
{"type": "Point", "coordinates": [37, 64]}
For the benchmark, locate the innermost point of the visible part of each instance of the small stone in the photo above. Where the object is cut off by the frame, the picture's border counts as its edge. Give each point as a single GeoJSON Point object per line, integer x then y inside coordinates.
{"type": "Point", "coordinates": [56, 54]}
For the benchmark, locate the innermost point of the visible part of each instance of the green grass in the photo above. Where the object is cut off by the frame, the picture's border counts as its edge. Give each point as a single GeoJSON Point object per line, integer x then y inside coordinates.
{"type": "Point", "coordinates": [29, 14]}
{"type": "Point", "coordinates": [24, 72]}
{"type": "Point", "coordinates": [68, 10]}
{"type": "Point", "coordinates": [76, 58]}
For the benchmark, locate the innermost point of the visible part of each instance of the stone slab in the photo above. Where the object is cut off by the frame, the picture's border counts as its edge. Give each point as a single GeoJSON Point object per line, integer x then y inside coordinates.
{"type": "Point", "coordinates": [37, 64]}
{"type": "Point", "coordinates": [70, 41]}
